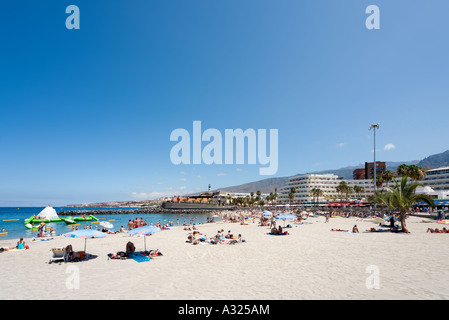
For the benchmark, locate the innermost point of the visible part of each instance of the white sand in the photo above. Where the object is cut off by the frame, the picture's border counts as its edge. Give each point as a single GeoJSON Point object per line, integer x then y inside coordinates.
{"type": "Point", "coordinates": [310, 263]}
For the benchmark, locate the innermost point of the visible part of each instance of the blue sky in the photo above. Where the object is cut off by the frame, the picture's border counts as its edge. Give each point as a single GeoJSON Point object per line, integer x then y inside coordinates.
{"type": "Point", "coordinates": [86, 114]}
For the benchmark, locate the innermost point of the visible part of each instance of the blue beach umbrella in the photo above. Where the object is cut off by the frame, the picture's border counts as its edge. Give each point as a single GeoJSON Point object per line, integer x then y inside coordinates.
{"type": "Point", "coordinates": [85, 233]}
{"type": "Point", "coordinates": [267, 213]}
{"type": "Point", "coordinates": [286, 217]}
{"type": "Point", "coordinates": [145, 230]}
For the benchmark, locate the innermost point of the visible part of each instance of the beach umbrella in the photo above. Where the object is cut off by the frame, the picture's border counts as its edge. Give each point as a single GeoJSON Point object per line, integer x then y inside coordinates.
{"type": "Point", "coordinates": [85, 233]}
{"type": "Point", "coordinates": [267, 213]}
{"type": "Point", "coordinates": [106, 224]}
{"type": "Point", "coordinates": [145, 230]}
{"type": "Point", "coordinates": [286, 217]}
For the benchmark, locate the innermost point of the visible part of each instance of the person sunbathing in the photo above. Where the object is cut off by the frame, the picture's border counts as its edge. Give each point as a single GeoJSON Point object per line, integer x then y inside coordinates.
{"type": "Point", "coordinates": [378, 230]}
{"type": "Point", "coordinates": [339, 230]}
{"type": "Point", "coordinates": [436, 230]}
{"type": "Point", "coordinates": [72, 255]}
{"type": "Point", "coordinates": [154, 253]}
{"type": "Point", "coordinates": [190, 238]}
{"type": "Point", "coordinates": [118, 255]}
{"type": "Point", "coordinates": [278, 232]}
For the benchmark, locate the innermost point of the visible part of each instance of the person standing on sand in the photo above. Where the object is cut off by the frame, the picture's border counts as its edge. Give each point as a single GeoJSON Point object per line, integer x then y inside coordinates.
{"type": "Point", "coordinates": [272, 222]}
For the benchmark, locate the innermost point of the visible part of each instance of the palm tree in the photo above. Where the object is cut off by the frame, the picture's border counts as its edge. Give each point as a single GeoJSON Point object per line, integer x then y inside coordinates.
{"type": "Point", "coordinates": [402, 170]}
{"type": "Point", "coordinates": [413, 171]}
{"type": "Point", "coordinates": [291, 194]}
{"type": "Point", "coordinates": [275, 196]}
{"type": "Point", "coordinates": [269, 197]}
{"type": "Point", "coordinates": [387, 176]}
{"type": "Point", "coordinates": [357, 190]}
{"type": "Point", "coordinates": [402, 197]}
{"type": "Point", "coordinates": [316, 192]}
{"type": "Point", "coordinates": [379, 198]}
{"type": "Point", "coordinates": [416, 172]}
{"type": "Point", "coordinates": [342, 189]}
{"type": "Point", "coordinates": [348, 191]}
{"type": "Point", "coordinates": [379, 182]}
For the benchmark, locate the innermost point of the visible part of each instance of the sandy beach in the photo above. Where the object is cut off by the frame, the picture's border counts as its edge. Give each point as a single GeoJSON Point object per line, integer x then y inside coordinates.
{"type": "Point", "coordinates": [312, 262]}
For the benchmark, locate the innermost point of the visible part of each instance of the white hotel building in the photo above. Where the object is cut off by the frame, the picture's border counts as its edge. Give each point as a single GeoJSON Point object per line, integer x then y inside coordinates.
{"type": "Point", "coordinates": [326, 182]}
{"type": "Point", "coordinates": [436, 179]}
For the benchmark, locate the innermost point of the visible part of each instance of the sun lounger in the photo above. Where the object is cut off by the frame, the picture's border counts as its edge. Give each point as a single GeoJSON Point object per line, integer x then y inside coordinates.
{"type": "Point", "coordinates": [59, 254]}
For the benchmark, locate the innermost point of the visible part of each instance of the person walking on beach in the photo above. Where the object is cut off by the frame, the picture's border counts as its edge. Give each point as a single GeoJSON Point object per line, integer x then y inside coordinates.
{"type": "Point", "coordinates": [327, 217]}
{"type": "Point", "coordinates": [272, 222]}
{"type": "Point", "coordinates": [41, 230]}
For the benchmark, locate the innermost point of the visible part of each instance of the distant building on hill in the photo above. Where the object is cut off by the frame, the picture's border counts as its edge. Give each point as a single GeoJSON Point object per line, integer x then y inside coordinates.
{"type": "Point", "coordinates": [368, 171]}
{"type": "Point", "coordinates": [358, 174]}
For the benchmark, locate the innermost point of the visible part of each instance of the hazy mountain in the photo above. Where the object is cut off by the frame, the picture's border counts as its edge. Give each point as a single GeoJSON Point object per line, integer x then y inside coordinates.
{"type": "Point", "coordinates": [268, 185]}
{"type": "Point", "coordinates": [436, 160]}
{"type": "Point", "coordinates": [265, 185]}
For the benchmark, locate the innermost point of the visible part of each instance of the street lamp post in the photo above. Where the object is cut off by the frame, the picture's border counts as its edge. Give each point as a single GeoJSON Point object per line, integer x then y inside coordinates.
{"type": "Point", "coordinates": [374, 127]}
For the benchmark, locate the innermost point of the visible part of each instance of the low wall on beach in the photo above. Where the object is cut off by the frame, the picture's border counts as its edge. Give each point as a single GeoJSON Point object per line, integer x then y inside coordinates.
{"type": "Point", "coordinates": [194, 206]}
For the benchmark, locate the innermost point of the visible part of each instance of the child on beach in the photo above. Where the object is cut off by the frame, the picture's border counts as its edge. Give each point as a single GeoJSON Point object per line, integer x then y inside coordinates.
{"type": "Point", "coordinates": [20, 244]}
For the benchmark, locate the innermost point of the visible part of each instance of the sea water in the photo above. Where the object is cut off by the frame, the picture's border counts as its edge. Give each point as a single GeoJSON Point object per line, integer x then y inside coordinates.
{"type": "Point", "coordinates": [17, 229]}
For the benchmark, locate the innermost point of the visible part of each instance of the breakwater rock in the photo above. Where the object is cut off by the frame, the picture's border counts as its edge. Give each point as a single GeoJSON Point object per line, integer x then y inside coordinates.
{"type": "Point", "coordinates": [149, 210]}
